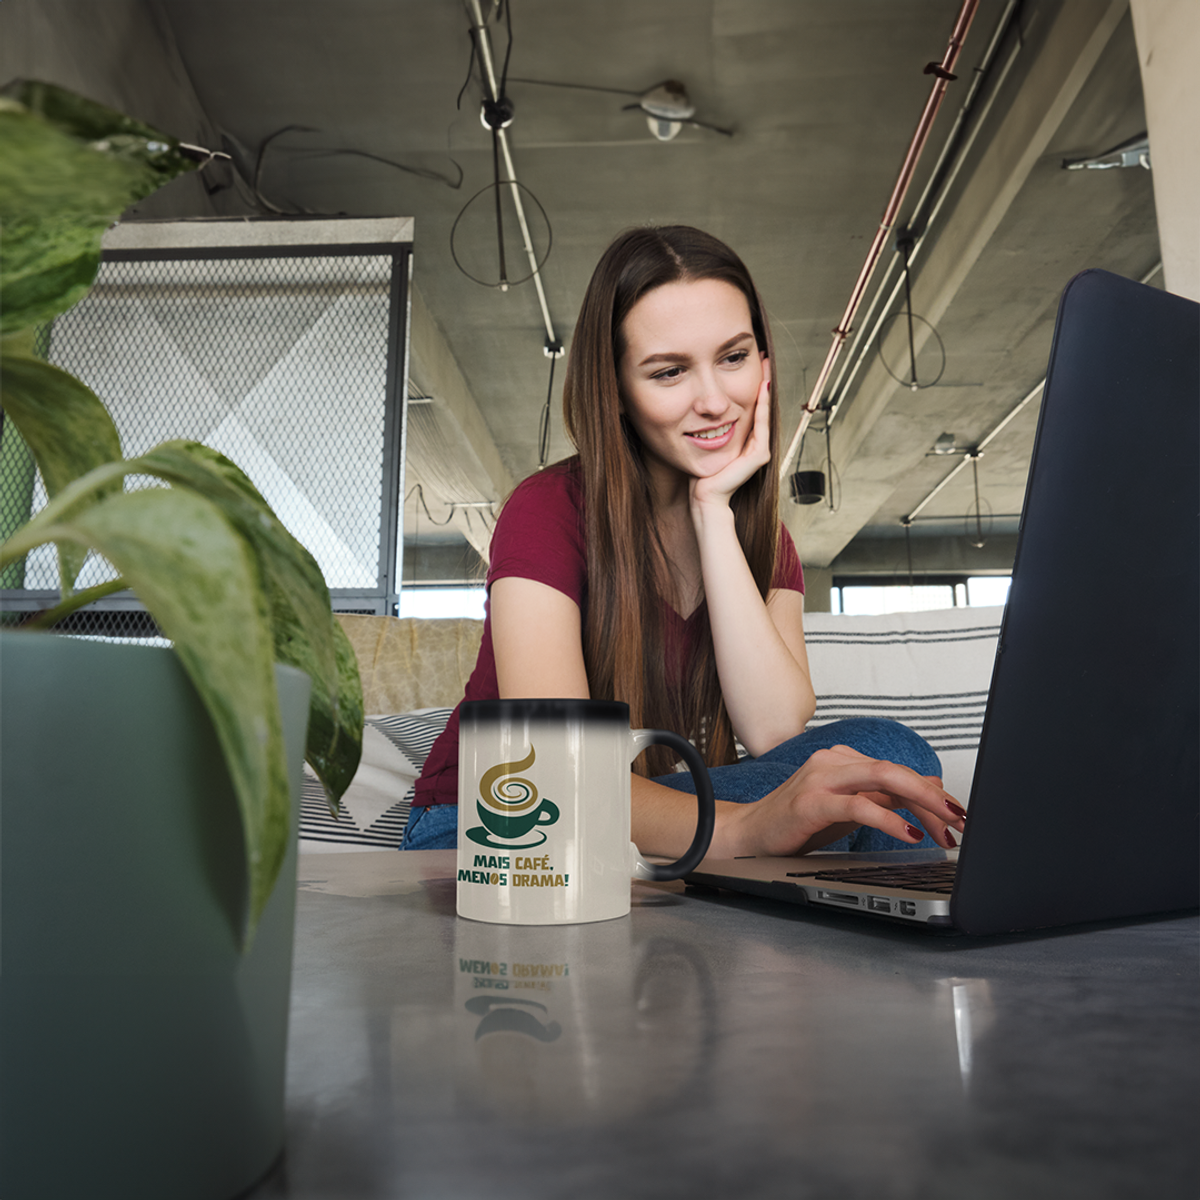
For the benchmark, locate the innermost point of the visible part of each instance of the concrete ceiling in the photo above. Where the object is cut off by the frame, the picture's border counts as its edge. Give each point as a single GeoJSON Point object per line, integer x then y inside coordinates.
{"type": "Point", "coordinates": [822, 96]}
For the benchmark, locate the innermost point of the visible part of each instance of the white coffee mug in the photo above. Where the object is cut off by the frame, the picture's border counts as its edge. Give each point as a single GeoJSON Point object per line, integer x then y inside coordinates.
{"type": "Point", "coordinates": [544, 810]}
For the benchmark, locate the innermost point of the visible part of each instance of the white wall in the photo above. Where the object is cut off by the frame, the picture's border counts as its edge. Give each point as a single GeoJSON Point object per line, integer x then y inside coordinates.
{"type": "Point", "coordinates": [1168, 42]}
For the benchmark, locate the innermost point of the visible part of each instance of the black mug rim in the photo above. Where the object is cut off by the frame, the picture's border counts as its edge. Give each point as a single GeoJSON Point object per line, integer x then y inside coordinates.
{"type": "Point", "coordinates": [544, 708]}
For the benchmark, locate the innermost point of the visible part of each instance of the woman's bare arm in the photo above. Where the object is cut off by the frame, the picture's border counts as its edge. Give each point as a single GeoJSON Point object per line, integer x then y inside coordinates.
{"type": "Point", "coordinates": [761, 660]}
{"type": "Point", "coordinates": [537, 639]}
{"type": "Point", "coordinates": [836, 791]}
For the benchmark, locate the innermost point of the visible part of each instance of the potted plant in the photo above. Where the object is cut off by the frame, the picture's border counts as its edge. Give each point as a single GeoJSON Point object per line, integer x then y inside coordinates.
{"type": "Point", "coordinates": [149, 798]}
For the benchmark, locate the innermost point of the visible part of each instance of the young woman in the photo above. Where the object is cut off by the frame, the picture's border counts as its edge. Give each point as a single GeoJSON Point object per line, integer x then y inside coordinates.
{"type": "Point", "coordinates": [652, 568]}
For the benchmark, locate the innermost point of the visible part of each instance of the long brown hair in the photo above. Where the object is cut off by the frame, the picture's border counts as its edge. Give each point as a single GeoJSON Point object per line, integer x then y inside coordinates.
{"type": "Point", "coordinates": [624, 638]}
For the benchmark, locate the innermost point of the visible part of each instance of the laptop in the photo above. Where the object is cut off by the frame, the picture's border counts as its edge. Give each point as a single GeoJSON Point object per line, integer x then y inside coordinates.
{"type": "Point", "coordinates": [1085, 804]}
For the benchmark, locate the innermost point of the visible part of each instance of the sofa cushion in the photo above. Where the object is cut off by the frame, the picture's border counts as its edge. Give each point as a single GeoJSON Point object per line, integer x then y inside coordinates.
{"type": "Point", "coordinates": [376, 805]}
{"type": "Point", "coordinates": [408, 664]}
{"type": "Point", "coordinates": [929, 670]}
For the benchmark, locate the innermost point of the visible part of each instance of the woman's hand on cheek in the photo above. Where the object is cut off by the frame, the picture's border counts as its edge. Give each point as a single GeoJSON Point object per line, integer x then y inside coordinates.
{"type": "Point", "coordinates": [836, 791]}
{"type": "Point", "coordinates": [756, 453]}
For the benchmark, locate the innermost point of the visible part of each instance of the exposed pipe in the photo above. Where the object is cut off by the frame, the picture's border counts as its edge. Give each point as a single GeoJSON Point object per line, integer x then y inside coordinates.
{"type": "Point", "coordinates": [484, 45]}
{"type": "Point", "coordinates": [943, 73]}
{"type": "Point", "coordinates": [956, 148]}
{"type": "Point", "coordinates": [975, 451]}
{"type": "Point", "coordinates": [978, 449]}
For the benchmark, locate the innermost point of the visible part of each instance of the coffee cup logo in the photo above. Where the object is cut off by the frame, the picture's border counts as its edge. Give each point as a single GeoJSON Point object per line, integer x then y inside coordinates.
{"type": "Point", "coordinates": [509, 808]}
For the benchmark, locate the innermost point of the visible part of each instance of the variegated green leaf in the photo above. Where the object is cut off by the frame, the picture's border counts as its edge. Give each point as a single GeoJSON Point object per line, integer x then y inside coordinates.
{"type": "Point", "coordinates": [66, 427]}
{"type": "Point", "coordinates": [334, 730]}
{"type": "Point", "coordinates": [197, 577]}
{"type": "Point", "coordinates": [306, 636]}
{"type": "Point", "coordinates": [68, 169]}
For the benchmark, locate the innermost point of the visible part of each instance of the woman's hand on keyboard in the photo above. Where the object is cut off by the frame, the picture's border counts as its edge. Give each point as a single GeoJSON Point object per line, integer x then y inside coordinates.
{"type": "Point", "coordinates": [835, 792]}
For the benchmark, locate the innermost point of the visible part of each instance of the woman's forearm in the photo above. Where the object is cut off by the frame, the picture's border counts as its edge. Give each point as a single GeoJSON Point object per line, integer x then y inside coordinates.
{"type": "Point", "coordinates": [664, 820]}
{"type": "Point", "coordinates": [764, 680]}
{"type": "Point", "coordinates": [836, 790]}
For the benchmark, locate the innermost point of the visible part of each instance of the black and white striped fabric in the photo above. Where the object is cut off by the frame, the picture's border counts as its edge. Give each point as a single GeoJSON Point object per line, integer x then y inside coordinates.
{"type": "Point", "coordinates": [930, 671]}
{"type": "Point", "coordinates": [376, 806]}
{"type": "Point", "coordinates": [414, 733]}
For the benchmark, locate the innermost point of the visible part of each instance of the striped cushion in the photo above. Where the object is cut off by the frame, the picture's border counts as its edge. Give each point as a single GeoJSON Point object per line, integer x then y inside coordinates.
{"type": "Point", "coordinates": [930, 671]}
{"type": "Point", "coordinates": [414, 733]}
{"type": "Point", "coordinates": [376, 806]}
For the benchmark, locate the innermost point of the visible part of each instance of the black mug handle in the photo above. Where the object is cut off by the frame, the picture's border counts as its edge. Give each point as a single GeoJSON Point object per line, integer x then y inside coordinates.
{"type": "Point", "coordinates": [707, 808]}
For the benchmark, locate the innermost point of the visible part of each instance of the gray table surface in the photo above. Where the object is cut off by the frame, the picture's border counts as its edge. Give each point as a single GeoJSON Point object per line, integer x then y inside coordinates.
{"type": "Point", "coordinates": [725, 1047]}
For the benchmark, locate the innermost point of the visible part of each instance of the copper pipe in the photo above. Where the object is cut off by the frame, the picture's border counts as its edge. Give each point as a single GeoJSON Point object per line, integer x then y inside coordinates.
{"type": "Point", "coordinates": [943, 73]}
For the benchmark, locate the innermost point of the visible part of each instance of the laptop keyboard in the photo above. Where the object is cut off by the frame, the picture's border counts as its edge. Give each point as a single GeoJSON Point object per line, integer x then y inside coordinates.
{"type": "Point", "coordinates": [922, 877]}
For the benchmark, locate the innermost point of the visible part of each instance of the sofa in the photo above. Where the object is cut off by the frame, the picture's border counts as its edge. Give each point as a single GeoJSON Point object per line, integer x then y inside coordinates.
{"type": "Point", "coordinates": [929, 670]}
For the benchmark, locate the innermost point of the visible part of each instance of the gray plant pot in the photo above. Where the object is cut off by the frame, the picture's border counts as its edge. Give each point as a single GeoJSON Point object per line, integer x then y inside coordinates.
{"type": "Point", "coordinates": [141, 1053]}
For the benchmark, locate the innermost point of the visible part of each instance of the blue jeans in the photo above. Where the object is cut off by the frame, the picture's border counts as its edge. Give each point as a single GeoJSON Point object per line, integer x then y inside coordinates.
{"type": "Point", "coordinates": [752, 778]}
{"type": "Point", "coordinates": [433, 827]}
{"type": "Point", "coordinates": [436, 827]}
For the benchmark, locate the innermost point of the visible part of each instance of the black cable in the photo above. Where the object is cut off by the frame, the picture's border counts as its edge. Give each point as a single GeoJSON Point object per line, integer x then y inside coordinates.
{"type": "Point", "coordinates": [262, 153]}
{"type": "Point", "coordinates": [470, 68]}
{"type": "Point", "coordinates": [584, 87]}
{"type": "Point", "coordinates": [835, 479]}
{"type": "Point", "coordinates": [420, 493]}
{"type": "Point", "coordinates": [912, 349]}
{"type": "Point", "coordinates": [420, 172]}
{"type": "Point", "coordinates": [499, 210]}
{"type": "Point", "coordinates": [544, 425]}
{"type": "Point", "coordinates": [510, 183]}
{"type": "Point", "coordinates": [980, 541]}
{"type": "Point", "coordinates": [885, 327]}
{"type": "Point", "coordinates": [508, 48]}
{"type": "Point", "coordinates": [829, 460]}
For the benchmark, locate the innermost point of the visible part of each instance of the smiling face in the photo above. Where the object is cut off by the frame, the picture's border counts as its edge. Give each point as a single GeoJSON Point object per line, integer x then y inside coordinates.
{"type": "Point", "coordinates": [690, 375]}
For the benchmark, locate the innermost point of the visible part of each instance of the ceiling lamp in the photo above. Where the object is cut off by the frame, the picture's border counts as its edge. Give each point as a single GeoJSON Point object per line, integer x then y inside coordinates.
{"type": "Point", "coordinates": [808, 487]}
{"type": "Point", "coordinates": [666, 106]}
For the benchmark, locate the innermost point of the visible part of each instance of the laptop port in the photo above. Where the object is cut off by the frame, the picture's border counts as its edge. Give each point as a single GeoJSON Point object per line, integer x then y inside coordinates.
{"type": "Point", "coordinates": [879, 904]}
{"type": "Point", "coordinates": [908, 908]}
{"type": "Point", "coordinates": [838, 897]}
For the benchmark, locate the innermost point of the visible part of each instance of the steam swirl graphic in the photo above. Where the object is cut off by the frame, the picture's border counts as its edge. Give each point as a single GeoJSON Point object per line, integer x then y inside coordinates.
{"type": "Point", "coordinates": [507, 792]}
{"type": "Point", "coordinates": [506, 808]}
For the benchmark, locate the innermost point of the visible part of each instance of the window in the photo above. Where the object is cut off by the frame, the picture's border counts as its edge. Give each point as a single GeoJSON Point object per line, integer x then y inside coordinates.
{"type": "Point", "coordinates": [864, 595]}
{"type": "Point", "coordinates": [433, 602]}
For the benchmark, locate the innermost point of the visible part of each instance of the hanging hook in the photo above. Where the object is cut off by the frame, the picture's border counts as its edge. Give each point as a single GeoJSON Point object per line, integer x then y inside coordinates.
{"type": "Point", "coordinates": [905, 240]}
{"type": "Point", "coordinates": [980, 541]}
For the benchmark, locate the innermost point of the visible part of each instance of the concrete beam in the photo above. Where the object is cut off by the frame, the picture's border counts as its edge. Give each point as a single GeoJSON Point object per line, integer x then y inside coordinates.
{"type": "Point", "coordinates": [1063, 53]}
{"type": "Point", "coordinates": [450, 450]}
{"type": "Point", "coordinates": [451, 566]}
{"type": "Point", "coordinates": [930, 555]}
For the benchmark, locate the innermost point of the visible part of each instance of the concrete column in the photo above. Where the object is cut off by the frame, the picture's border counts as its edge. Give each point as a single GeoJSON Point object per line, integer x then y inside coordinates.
{"type": "Point", "coordinates": [818, 589]}
{"type": "Point", "coordinates": [1168, 43]}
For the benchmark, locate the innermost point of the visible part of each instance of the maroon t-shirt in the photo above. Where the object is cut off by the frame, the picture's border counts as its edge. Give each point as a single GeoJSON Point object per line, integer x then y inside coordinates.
{"type": "Point", "coordinates": [540, 536]}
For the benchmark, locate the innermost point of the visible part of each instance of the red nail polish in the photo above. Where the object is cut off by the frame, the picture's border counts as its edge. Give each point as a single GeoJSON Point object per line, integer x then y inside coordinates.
{"type": "Point", "coordinates": [956, 809]}
{"type": "Point", "coordinates": [914, 832]}
{"type": "Point", "coordinates": [950, 842]}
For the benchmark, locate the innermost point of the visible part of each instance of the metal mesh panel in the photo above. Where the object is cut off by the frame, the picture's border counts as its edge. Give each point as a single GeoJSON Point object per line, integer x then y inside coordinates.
{"type": "Point", "coordinates": [280, 362]}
